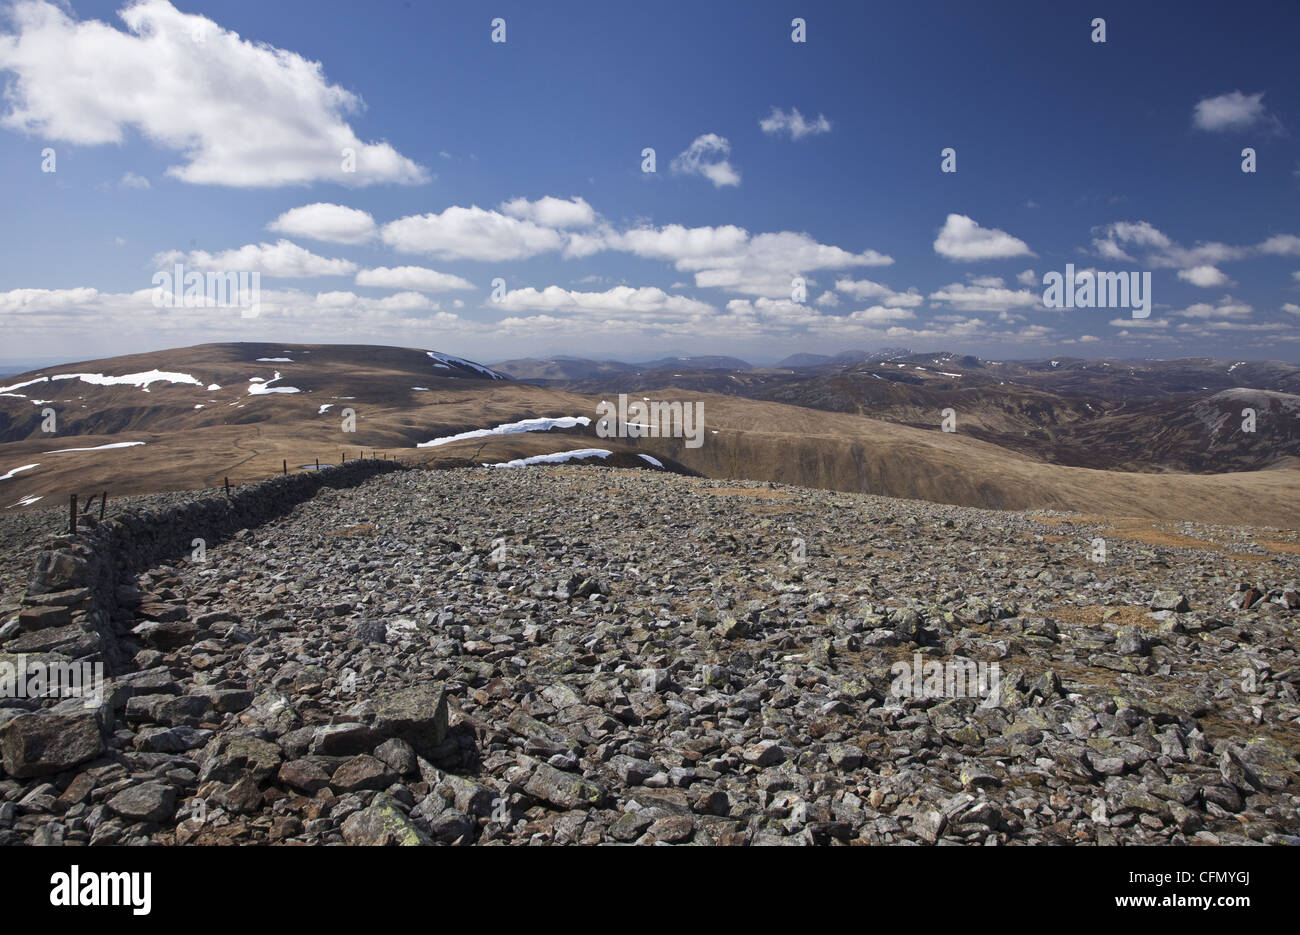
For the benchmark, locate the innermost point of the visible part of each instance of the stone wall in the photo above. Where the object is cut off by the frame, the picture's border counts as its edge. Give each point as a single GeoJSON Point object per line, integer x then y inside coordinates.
{"type": "Point", "coordinates": [79, 603]}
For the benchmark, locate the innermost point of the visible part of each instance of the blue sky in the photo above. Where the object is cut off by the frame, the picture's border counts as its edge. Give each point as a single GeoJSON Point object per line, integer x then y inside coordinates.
{"type": "Point", "coordinates": [211, 134]}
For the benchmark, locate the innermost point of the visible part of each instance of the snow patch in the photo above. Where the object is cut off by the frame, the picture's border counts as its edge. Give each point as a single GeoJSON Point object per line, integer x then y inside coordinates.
{"type": "Point", "coordinates": [25, 467]}
{"type": "Point", "coordinates": [97, 447]}
{"type": "Point", "coordinates": [449, 359]}
{"type": "Point", "coordinates": [556, 458]}
{"type": "Point", "coordinates": [19, 386]}
{"type": "Point", "coordinates": [142, 379]}
{"type": "Point", "coordinates": [257, 386]}
{"type": "Point", "coordinates": [655, 461]}
{"type": "Point", "coordinates": [511, 428]}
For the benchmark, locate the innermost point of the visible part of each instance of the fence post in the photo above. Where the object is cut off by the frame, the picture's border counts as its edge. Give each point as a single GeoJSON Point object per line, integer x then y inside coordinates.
{"type": "Point", "coordinates": [72, 514]}
{"type": "Point", "coordinates": [103, 499]}
{"type": "Point", "coordinates": [285, 465]}
{"type": "Point", "coordinates": [227, 486]}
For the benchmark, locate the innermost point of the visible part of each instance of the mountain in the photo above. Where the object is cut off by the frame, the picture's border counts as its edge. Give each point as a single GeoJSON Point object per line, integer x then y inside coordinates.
{"type": "Point", "coordinates": [845, 358]}
{"type": "Point", "coordinates": [549, 370]}
{"type": "Point", "coordinates": [191, 417]}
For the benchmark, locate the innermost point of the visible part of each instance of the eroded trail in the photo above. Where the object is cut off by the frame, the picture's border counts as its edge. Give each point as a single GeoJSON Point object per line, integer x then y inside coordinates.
{"type": "Point", "coordinates": [633, 657]}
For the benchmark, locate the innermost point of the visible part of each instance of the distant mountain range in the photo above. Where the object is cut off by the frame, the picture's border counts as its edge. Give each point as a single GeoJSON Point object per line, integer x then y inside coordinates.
{"type": "Point", "coordinates": [1160, 438]}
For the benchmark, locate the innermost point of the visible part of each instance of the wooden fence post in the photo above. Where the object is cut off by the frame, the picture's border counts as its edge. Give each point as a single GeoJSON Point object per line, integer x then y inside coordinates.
{"type": "Point", "coordinates": [72, 514]}
{"type": "Point", "coordinates": [103, 499]}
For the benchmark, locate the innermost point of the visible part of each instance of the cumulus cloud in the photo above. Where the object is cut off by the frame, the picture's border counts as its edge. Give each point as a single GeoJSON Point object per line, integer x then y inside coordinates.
{"type": "Point", "coordinates": [707, 156]}
{"type": "Point", "coordinates": [963, 239]}
{"type": "Point", "coordinates": [880, 314]}
{"type": "Point", "coordinates": [867, 289]}
{"type": "Point", "coordinates": [281, 259]}
{"type": "Point", "coordinates": [131, 180]}
{"type": "Point", "coordinates": [1231, 111]}
{"type": "Point", "coordinates": [729, 258]}
{"type": "Point", "coordinates": [1140, 323]}
{"type": "Point", "coordinates": [1206, 277]}
{"type": "Point", "coordinates": [793, 123]}
{"type": "Point", "coordinates": [240, 113]}
{"type": "Point", "coordinates": [1281, 245]}
{"type": "Point", "coordinates": [1226, 307]}
{"type": "Point", "coordinates": [623, 300]}
{"type": "Point", "coordinates": [407, 318]}
{"type": "Point", "coordinates": [324, 221]}
{"type": "Point", "coordinates": [471, 233]}
{"type": "Point", "coordinates": [552, 212]}
{"type": "Point", "coordinates": [1159, 251]}
{"type": "Point", "coordinates": [416, 278]}
{"type": "Point", "coordinates": [986, 296]}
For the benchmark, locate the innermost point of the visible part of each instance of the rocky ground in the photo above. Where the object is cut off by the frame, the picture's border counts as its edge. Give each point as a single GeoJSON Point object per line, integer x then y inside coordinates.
{"type": "Point", "coordinates": [587, 655]}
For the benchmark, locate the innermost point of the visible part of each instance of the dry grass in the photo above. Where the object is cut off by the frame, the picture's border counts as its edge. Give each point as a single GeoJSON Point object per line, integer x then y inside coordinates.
{"type": "Point", "coordinates": [361, 530]}
{"type": "Point", "coordinates": [246, 438]}
{"type": "Point", "coordinates": [1092, 615]}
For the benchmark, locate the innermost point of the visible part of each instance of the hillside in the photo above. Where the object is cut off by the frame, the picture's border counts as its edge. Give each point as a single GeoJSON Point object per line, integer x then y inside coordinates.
{"type": "Point", "coordinates": [586, 655]}
{"type": "Point", "coordinates": [191, 417]}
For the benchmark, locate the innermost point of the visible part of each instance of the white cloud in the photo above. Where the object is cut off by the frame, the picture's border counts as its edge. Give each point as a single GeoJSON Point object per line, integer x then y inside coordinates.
{"type": "Point", "coordinates": [470, 234]}
{"type": "Point", "coordinates": [984, 298]}
{"type": "Point", "coordinates": [131, 180]}
{"type": "Point", "coordinates": [1231, 111]}
{"type": "Point", "coordinates": [1206, 277]}
{"type": "Point", "coordinates": [707, 156]}
{"type": "Point", "coordinates": [416, 278]}
{"type": "Point", "coordinates": [1160, 251]}
{"type": "Point", "coordinates": [1281, 245]}
{"type": "Point", "coordinates": [794, 124]}
{"type": "Point", "coordinates": [1227, 307]}
{"type": "Point", "coordinates": [828, 299]}
{"type": "Point", "coordinates": [879, 314]}
{"type": "Point", "coordinates": [552, 212]}
{"type": "Point", "coordinates": [1140, 323]}
{"type": "Point", "coordinates": [241, 113]}
{"type": "Point", "coordinates": [963, 239]}
{"type": "Point", "coordinates": [1291, 308]}
{"type": "Point", "coordinates": [866, 289]}
{"type": "Point", "coordinates": [1027, 278]}
{"type": "Point", "coordinates": [281, 259]}
{"type": "Point", "coordinates": [620, 300]}
{"type": "Point", "coordinates": [399, 301]}
{"type": "Point", "coordinates": [324, 221]}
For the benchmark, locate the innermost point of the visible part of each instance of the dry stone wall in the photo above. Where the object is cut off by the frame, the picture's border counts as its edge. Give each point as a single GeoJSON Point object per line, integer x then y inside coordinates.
{"type": "Point", "coordinates": [82, 593]}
